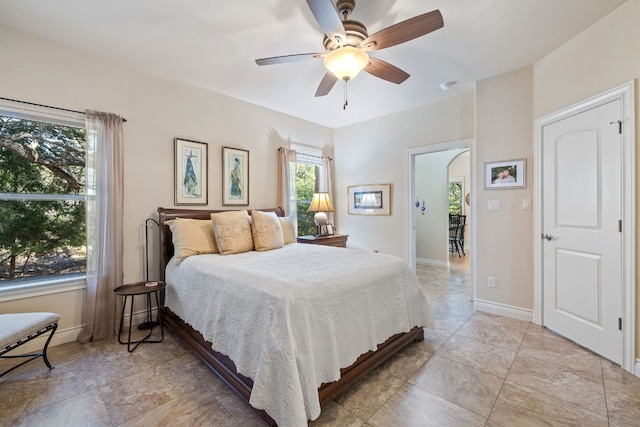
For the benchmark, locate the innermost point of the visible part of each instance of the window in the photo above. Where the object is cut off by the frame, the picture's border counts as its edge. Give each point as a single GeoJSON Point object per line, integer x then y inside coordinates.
{"type": "Point", "coordinates": [309, 171]}
{"type": "Point", "coordinates": [456, 198]}
{"type": "Point", "coordinates": [42, 187]}
{"type": "Point", "coordinates": [306, 184]}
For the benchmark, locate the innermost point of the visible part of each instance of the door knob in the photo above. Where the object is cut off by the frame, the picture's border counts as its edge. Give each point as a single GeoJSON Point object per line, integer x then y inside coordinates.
{"type": "Point", "coordinates": [548, 237]}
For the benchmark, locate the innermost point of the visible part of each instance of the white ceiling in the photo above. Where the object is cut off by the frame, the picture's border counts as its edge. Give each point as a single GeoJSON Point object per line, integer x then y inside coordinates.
{"type": "Point", "coordinates": [213, 43]}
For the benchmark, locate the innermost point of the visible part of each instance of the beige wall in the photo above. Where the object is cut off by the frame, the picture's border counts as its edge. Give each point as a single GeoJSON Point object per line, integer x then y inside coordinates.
{"type": "Point", "coordinates": [504, 131]}
{"type": "Point", "coordinates": [374, 152]}
{"type": "Point", "coordinates": [604, 56]}
{"type": "Point", "coordinates": [157, 111]}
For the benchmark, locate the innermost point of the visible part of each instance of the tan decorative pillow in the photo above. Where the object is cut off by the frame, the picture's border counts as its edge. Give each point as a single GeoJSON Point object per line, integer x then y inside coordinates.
{"type": "Point", "coordinates": [233, 232]}
{"type": "Point", "coordinates": [288, 229]}
{"type": "Point", "coordinates": [192, 237]}
{"type": "Point", "coordinates": [267, 233]}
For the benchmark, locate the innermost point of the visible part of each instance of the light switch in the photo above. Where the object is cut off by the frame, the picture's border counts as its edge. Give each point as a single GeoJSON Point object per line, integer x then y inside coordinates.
{"type": "Point", "coordinates": [526, 203]}
{"type": "Point", "coordinates": [493, 205]}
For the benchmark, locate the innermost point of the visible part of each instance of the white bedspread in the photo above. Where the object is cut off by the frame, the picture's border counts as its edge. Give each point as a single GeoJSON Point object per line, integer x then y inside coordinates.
{"type": "Point", "coordinates": [290, 318]}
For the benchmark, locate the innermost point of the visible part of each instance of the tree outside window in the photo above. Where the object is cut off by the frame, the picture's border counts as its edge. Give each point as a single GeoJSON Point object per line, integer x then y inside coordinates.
{"type": "Point", "coordinates": [455, 198]}
{"type": "Point", "coordinates": [306, 184]}
{"type": "Point", "coordinates": [42, 208]}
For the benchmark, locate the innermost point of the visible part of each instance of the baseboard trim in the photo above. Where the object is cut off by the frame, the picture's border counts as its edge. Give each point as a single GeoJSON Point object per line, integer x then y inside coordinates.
{"type": "Point", "coordinates": [432, 263]}
{"type": "Point", "coordinates": [637, 368]}
{"type": "Point", "coordinates": [504, 310]}
{"type": "Point", "coordinates": [63, 336]}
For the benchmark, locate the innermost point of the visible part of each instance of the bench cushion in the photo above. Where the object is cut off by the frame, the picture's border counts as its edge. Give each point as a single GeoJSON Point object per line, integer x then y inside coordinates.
{"type": "Point", "coordinates": [17, 326]}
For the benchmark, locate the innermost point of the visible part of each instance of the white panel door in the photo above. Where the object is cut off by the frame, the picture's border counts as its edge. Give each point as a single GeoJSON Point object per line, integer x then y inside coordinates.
{"type": "Point", "coordinates": [582, 248]}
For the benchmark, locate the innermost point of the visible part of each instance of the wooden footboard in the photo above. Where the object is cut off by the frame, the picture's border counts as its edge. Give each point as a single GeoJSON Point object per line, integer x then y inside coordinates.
{"type": "Point", "coordinates": [225, 368]}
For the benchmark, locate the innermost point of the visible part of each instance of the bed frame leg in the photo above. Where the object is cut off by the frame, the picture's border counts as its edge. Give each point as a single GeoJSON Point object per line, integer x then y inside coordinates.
{"type": "Point", "coordinates": [46, 347]}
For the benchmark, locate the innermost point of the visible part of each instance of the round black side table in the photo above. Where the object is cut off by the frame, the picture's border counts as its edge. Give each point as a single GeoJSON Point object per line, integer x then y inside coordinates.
{"type": "Point", "coordinates": [140, 288]}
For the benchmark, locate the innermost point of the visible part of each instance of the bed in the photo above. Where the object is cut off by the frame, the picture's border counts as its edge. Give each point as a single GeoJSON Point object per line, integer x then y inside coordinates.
{"type": "Point", "coordinates": [272, 324]}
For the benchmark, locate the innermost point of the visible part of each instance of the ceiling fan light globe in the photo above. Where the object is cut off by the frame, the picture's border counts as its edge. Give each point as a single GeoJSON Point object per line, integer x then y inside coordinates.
{"type": "Point", "coordinates": [346, 62]}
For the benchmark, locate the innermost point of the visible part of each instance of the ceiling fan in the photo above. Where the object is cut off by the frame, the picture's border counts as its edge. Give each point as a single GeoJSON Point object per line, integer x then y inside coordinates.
{"type": "Point", "coordinates": [347, 42]}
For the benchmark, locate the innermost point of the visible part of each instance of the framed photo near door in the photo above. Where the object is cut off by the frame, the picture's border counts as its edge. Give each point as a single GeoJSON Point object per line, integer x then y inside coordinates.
{"type": "Point", "coordinates": [505, 174]}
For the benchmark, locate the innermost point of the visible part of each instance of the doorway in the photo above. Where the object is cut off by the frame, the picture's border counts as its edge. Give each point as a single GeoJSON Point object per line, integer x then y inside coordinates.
{"type": "Point", "coordinates": [585, 225]}
{"type": "Point", "coordinates": [459, 174]}
{"type": "Point", "coordinates": [435, 212]}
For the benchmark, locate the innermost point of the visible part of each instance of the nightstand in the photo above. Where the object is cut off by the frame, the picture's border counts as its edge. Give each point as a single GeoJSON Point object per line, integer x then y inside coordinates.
{"type": "Point", "coordinates": [337, 240]}
{"type": "Point", "coordinates": [131, 290]}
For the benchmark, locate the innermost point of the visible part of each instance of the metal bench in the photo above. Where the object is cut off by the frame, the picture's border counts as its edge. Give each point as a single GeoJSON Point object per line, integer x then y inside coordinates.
{"type": "Point", "coordinates": [17, 329]}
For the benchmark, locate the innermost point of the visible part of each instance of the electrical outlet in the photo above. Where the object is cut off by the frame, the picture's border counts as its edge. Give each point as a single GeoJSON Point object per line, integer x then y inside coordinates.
{"type": "Point", "coordinates": [491, 282]}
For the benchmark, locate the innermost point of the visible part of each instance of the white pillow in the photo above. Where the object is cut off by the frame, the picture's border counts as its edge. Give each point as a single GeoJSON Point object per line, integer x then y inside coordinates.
{"type": "Point", "coordinates": [232, 230]}
{"type": "Point", "coordinates": [192, 237]}
{"type": "Point", "coordinates": [288, 230]}
{"type": "Point", "coordinates": [266, 230]}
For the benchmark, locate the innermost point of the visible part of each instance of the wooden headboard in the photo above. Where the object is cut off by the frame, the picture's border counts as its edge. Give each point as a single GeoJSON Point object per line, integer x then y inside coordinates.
{"type": "Point", "coordinates": [165, 240]}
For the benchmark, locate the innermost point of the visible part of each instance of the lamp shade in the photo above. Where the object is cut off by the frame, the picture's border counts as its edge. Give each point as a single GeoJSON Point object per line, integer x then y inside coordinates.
{"type": "Point", "coordinates": [321, 203]}
{"type": "Point", "coordinates": [346, 62]}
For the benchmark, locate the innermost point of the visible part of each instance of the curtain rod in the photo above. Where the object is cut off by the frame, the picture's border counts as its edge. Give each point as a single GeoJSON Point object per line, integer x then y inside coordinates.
{"type": "Point", "coordinates": [48, 106]}
{"type": "Point", "coordinates": [308, 155]}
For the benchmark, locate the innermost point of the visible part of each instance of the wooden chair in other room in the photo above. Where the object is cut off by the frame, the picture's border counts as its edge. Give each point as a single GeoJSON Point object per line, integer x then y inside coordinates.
{"type": "Point", "coordinates": [456, 233]}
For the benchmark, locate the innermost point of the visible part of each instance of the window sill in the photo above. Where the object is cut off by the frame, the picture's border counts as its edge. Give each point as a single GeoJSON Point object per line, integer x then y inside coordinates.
{"type": "Point", "coordinates": [39, 288]}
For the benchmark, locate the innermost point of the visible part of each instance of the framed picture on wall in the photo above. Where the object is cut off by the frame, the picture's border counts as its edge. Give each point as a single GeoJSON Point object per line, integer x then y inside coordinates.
{"type": "Point", "coordinates": [369, 199]}
{"type": "Point", "coordinates": [505, 174]}
{"type": "Point", "coordinates": [191, 172]}
{"type": "Point", "coordinates": [235, 176]}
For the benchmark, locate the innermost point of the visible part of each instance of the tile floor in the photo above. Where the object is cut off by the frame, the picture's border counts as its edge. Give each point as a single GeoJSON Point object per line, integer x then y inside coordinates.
{"type": "Point", "coordinates": [472, 369]}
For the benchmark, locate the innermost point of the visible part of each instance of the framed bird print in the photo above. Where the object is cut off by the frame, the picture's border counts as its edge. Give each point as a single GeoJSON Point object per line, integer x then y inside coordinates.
{"type": "Point", "coordinates": [191, 172]}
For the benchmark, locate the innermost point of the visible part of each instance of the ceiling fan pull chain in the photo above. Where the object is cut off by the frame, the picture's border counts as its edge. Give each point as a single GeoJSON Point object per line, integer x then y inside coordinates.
{"type": "Point", "coordinates": [346, 101]}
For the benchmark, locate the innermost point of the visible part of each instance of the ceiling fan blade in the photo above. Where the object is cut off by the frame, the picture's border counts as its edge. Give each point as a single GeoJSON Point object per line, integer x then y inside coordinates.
{"type": "Point", "coordinates": [328, 19]}
{"type": "Point", "coordinates": [288, 58]}
{"type": "Point", "coordinates": [385, 71]}
{"type": "Point", "coordinates": [327, 83]}
{"type": "Point", "coordinates": [404, 31]}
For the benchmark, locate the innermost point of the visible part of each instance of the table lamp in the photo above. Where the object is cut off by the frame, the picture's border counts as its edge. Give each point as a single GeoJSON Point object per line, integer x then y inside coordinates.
{"type": "Point", "coordinates": [320, 204]}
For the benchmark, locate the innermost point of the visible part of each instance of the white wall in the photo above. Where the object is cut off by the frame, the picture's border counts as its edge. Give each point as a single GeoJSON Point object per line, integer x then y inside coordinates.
{"type": "Point", "coordinates": [157, 110]}
{"type": "Point", "coordinates": [432, 186]}
{"type": "Point", "coordinates": [374, 152]}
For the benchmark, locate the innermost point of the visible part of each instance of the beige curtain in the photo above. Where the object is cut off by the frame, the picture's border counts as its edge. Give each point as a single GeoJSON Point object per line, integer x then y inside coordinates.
{"type": "Point", "coordinates": [287, 160]}
{"type": "Point", "coordinates": [104, 207]}
{"type": "Point", "coordinates": [327, 185]}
